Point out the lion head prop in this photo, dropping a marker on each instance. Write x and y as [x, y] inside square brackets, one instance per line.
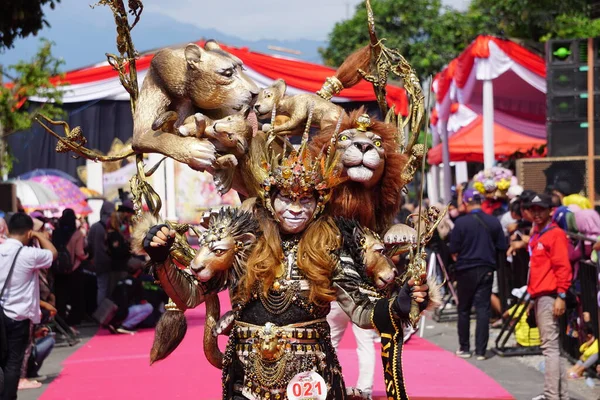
[372, 161]
[367, 249]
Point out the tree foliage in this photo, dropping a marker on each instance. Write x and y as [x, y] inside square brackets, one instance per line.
[25, 80]
[21, 18]
[536, 20]
[430, 35]
[426, 33]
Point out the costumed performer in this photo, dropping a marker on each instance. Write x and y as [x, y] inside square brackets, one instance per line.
[295, 269]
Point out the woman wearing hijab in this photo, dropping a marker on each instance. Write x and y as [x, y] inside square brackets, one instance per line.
[69, 286]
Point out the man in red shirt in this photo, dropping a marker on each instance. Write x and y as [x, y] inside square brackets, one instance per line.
[550, 275]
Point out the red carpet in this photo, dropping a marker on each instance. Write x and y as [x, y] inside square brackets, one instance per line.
[117, 367]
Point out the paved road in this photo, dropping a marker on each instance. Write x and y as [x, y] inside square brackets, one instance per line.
[518, 375]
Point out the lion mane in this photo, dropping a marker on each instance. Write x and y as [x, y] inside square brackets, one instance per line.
[377, 207]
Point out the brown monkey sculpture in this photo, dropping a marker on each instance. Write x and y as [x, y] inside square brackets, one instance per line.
[189, 80]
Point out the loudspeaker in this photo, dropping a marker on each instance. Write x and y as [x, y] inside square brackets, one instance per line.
[570, 80]
[8, 197]
[594, 8]
[570, 52]
[569, 138]
[571, 107]
[567, 96]
[570, 173]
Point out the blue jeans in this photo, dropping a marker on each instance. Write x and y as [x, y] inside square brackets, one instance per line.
[17, 335]
[137, 313]
[43, 348]
[474, 287]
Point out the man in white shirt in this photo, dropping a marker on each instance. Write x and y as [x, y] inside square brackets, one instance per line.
[21, 298]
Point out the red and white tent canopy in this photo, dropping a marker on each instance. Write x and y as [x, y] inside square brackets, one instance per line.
[518, 75]
[465, 138]
[461, 116]
[102, 82]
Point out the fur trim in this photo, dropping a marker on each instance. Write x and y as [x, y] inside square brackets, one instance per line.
[140, 229]
[435, 294]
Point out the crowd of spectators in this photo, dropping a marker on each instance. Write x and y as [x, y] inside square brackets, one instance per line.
[538, 240]
[58, 274]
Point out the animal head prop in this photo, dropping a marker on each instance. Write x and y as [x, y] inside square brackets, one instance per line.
[216, 80]
[295, 173]
[268, 98]
[367, 248]
[372, 162]
[232, 133]
[224, 246]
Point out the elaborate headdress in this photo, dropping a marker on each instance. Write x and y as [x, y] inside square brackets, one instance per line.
[298, 173]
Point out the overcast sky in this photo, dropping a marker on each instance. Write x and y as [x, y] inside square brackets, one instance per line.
[266, 19]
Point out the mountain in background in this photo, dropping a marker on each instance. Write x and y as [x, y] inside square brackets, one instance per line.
[82, 37]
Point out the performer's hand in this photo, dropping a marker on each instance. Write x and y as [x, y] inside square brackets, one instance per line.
[158, 242]
[420, 293]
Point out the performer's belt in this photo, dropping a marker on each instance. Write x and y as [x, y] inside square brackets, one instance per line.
[271, 341]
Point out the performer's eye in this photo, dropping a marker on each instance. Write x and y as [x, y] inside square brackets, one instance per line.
[343, 138]
[377, 143]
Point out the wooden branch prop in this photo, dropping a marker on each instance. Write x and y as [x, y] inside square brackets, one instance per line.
[125, 64]
[74, 141]
[383, 62]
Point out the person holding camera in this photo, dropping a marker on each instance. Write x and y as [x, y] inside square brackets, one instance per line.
[20, 298]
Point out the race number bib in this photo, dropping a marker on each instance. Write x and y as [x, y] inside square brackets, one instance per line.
[307, 385]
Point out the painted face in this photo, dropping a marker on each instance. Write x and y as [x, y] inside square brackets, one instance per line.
[294, 214]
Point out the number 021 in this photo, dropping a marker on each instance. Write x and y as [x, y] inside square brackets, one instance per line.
[308, 389]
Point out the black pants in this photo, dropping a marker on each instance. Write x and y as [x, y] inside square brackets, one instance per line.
[17, 335]
[69, 290]
[474, 289]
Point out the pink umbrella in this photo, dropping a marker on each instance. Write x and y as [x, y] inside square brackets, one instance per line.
[69, 195]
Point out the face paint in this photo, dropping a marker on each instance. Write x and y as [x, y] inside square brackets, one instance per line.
[294, 215]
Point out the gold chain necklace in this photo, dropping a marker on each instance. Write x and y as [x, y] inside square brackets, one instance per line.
[277, 302]
[270, 374]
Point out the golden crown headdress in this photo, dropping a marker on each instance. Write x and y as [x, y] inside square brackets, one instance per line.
[299, 173]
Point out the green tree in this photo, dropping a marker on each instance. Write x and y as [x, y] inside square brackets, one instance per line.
[538, 21]
[21, 18]
[429, 35]
[573, 27]
[426, 33]
[27, 79]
